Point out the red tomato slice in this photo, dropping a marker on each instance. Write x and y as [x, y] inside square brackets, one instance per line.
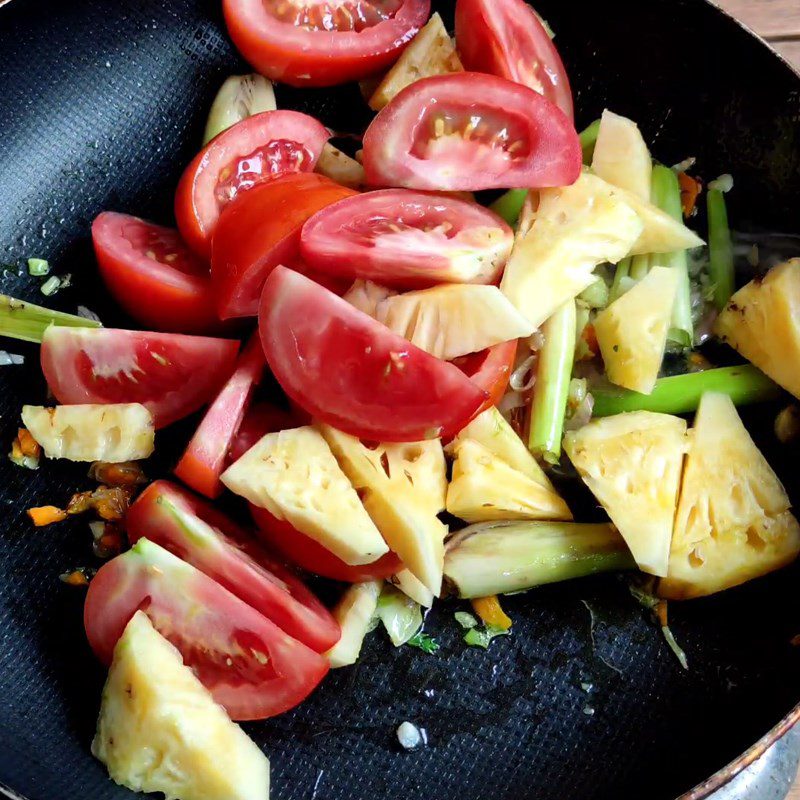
[247, 662]
[507, 38]
[261, 230]
[407, 240]
[320, 43]
[171, 374]
[350, 371]
[313, 557]
[260, 420]
[490, 370]
[466, 131]
[196, 532]
[153, 275]
[257, 149]
[206, 456]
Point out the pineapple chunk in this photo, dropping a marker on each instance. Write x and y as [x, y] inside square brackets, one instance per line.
[453, 320]
[633, 463]
[430, 53]
[485, 488]
[413, 588]
[632, 331]
[762, 322]
[621, 156]
[575, 229]
[491, 430]
[733, 521]
[110, 433]
[294, 475]
[366, 296]
[354, 613]
[401, 488]
[160, 730]
[339, 167]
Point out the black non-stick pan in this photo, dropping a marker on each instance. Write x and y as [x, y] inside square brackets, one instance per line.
[101, 105]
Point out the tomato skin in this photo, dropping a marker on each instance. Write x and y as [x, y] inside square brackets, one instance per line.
[491, 370]
[311, 556]
[171, 517]
[250, 666]
[506, 38]
[351, 372]
[206, 456]
[407, 240]
[260, 420]
[411, 143]
[172, 296]
[289, 54]
[171, 374]
[260, 230]
[293, 142]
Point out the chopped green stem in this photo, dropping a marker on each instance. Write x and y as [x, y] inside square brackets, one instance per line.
[681, 394]
[622, 271]
[588, 139]
[503, 557]
[509, 205]
[640, 266]
[720, 249]
[553, 373]
[666, 194]
[26, 321]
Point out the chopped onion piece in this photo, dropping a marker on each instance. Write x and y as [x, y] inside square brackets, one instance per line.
[524, 376]
[686, 164]
[10, 359]
[411, 737]
[722, 184]
[87, 313]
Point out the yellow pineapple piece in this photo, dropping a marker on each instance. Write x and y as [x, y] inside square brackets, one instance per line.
[632, 331]
[733, 521]
[633, 464]
[339, 167]
[294, 475]
[161, 731]
[762, 322]
[430, 53]
[354, 613]
[621, 156]
[484, 487]
[401, 487]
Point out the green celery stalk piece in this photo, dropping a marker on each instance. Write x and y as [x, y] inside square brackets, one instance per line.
[28, 322]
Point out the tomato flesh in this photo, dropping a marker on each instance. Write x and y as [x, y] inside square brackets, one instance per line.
[196, 532]
[490, 370]
[260, 230]
[323, 42]
[171, 374]
[206, 456]
[351, 372]
[507, 38]
[153, 275]
[250, 666]
[260, 420]
[311, 556]
[467, 131]
[254, 151]
[407, 240]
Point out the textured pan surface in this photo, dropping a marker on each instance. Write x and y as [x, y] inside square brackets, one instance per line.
[101, 103]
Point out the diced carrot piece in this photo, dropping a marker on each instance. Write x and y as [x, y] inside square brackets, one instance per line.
[690, 190]
[491, 612]
[28, 445]
[46, 515]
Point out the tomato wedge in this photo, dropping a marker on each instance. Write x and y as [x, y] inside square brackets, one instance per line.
[350, 371]
[251, 667]
[313, 557]
[257, 149]
[169, 373]
[490, 370]
[261, 230]
[407, 240]
[153, 275]
[507, 38]
[466, 131]
[206, 456]
[322, 43]
[260, 420]
[196, 532]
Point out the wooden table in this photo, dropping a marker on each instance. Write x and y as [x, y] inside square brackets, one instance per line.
[778, 21]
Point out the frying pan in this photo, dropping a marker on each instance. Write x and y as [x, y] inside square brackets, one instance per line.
[101, 104]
